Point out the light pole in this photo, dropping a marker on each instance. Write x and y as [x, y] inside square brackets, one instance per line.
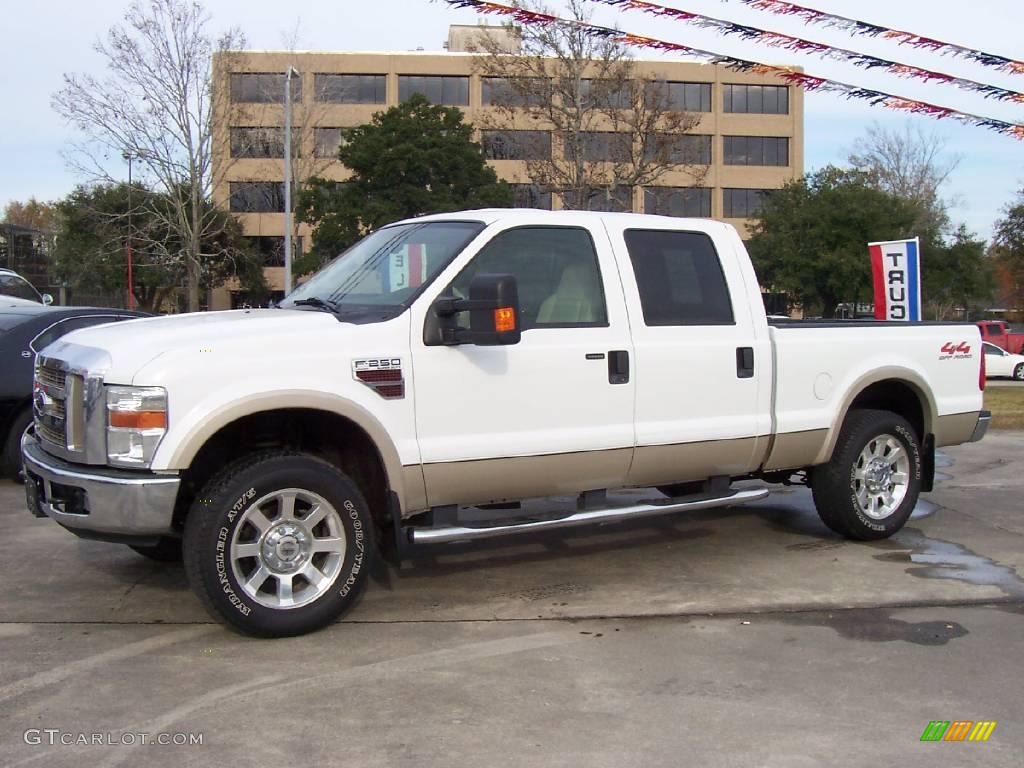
[292, 72]
[129, 155]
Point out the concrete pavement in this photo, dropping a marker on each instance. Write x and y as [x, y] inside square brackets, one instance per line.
[747, 636]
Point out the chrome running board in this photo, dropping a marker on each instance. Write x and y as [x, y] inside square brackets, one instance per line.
[450, 533]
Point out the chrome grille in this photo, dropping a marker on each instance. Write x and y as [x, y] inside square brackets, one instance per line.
[49, 406]
[51, 377]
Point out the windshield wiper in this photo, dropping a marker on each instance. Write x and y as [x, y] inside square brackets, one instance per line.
[316, 301]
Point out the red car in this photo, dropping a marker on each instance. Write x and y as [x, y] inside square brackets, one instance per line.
[998, 332]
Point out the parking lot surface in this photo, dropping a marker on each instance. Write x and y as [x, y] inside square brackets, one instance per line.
[744, 636]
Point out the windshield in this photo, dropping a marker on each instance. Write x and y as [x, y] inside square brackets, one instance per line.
[14, 285]
[387, 268]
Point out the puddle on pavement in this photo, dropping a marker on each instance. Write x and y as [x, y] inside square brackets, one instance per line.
[877, 626]
[938, 559]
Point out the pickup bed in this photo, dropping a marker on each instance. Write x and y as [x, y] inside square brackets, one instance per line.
[445, 369]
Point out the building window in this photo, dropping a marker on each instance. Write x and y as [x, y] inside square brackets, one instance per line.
[679, 277]
[682, 97]
[500, 92]
[607, 93]
[516, 145]
[530, 196]
[678, 201]
[327, 142]
[259, 142]
[756, 150]
[686, 149]
[742, 203]
[600, 146]
[617, 200]
[350, 89]
[271, 248]
[262, 87]
[757, 99]
[439, 89]
[257, 196]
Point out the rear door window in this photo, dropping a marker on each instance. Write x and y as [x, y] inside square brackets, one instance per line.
[679, 277]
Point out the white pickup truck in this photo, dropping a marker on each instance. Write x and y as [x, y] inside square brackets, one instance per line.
[444, 369]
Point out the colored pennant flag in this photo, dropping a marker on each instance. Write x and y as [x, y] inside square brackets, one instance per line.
[800, 45]
[787, 74]
[896, 274]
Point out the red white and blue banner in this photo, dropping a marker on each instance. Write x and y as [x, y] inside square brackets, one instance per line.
[896, 272]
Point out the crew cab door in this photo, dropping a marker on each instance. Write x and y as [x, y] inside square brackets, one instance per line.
[551, 414]
[703, 370]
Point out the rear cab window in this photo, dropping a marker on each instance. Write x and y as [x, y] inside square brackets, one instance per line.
[679, 277]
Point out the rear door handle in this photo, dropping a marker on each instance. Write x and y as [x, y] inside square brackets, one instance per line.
[618, 366]
[744, 362]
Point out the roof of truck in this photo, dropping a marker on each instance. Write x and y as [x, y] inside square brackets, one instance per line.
[490, 215]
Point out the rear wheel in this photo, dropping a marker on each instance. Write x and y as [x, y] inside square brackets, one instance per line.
[871, 485]
[278, 544]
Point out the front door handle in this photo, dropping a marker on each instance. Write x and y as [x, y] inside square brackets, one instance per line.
[744, 362]
[618, 366]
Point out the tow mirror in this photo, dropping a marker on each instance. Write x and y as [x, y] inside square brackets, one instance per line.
[493, 307]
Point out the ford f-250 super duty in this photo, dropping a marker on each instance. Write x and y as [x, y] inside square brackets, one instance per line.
[447, 367]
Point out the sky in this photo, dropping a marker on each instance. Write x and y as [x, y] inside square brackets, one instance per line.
[42, 41]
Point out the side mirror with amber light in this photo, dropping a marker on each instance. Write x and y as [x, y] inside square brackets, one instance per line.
[493, 307]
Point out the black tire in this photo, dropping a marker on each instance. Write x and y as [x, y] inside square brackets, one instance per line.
[10, 462]
[834, 485]
[166, 550]
[682, 489]
[1018, 372]
[222, 516]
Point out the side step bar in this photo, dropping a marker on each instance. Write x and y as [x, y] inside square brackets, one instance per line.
[451, 533]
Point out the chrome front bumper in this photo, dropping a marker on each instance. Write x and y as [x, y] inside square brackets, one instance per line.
[97, 501]
[982, 426]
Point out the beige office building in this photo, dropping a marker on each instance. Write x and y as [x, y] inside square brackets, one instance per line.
[750, 133]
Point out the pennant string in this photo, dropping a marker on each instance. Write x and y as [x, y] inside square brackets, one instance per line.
[787, 42]
[857, 27]
[787, 74]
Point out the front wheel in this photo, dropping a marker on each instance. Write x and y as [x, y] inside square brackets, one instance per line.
[869, 488]
[278, 544]
[1018, 372]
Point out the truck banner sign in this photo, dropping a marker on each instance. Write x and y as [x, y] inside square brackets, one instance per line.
[896, 272]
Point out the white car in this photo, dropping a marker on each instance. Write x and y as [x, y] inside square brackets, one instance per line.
[999, 362]
[16, 291]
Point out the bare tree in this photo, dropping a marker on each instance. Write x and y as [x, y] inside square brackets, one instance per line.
[155, 103]
[912, 164]
[611, 128]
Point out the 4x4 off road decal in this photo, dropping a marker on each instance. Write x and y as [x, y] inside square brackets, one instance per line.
[382, 374]
[952, 350]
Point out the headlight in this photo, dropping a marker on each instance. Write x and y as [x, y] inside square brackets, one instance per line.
[136, 423]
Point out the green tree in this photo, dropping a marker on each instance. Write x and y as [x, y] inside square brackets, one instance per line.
[810, 240]
[1008, 253]
[414, 159]
[955, 274]
[93, 237]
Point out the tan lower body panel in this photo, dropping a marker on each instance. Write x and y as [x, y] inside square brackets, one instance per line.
[682, 462]
[795, 450]
[523, 477]
[955, 428]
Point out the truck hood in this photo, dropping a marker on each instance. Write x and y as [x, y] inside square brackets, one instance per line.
[131, 344]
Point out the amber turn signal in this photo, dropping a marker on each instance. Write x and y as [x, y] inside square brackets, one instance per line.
[139, 419]
[504, 319]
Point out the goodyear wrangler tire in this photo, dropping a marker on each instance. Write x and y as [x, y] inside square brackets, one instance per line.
[278, 544]
[870, 487]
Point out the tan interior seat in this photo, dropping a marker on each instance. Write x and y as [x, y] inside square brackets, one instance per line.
[575, 299]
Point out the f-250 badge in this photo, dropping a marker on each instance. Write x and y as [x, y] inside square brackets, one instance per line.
[382, 374]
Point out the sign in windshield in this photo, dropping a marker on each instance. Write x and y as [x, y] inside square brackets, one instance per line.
[387, 268]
